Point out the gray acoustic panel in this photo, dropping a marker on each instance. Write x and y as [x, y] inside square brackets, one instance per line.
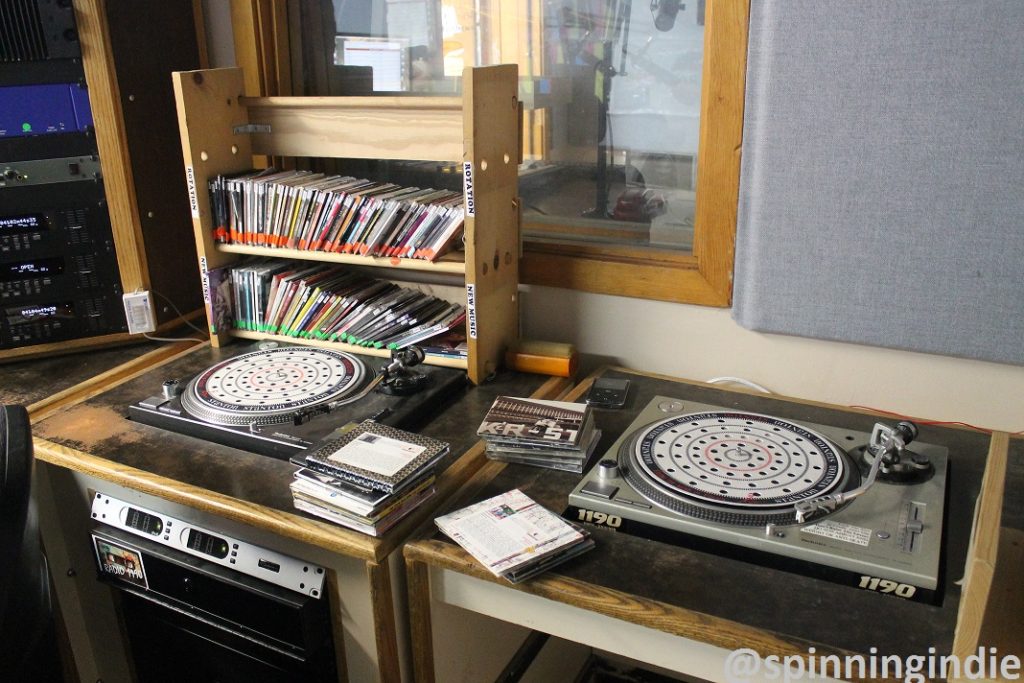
[882, 184]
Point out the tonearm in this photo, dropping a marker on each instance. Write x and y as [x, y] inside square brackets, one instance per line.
[886, 445]
[394, 378]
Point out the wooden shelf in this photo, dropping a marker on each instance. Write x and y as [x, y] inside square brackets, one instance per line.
[427, 128]
[221, 130]
[449, 264]
[432, 359]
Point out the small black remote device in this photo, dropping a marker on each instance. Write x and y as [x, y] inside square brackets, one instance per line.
[608, 392]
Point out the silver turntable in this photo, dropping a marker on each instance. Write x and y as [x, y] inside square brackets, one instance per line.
[861, 508]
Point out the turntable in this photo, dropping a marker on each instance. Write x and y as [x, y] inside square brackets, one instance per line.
[278, 399]
[858, 508]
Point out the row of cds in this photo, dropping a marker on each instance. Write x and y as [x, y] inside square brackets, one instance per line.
[333, 303]
[331, 213]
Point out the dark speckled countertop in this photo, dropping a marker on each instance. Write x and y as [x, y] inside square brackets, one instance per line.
[26, 382]
[789, 605]
[97, 437]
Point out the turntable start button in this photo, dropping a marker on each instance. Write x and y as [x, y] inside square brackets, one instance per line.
[599, 489]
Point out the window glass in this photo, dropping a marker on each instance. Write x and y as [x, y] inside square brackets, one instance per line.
[611, 93]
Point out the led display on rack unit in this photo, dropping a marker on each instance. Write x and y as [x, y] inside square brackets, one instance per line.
[19, 224]
[43, 109]
[24, 270]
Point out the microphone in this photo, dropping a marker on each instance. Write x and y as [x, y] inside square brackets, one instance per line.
[665, 12]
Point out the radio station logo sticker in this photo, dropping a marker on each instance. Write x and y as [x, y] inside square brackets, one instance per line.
[120, 562]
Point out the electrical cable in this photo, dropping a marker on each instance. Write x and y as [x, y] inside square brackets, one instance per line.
[170, 339]
[739, 380]
[938, 423]
[180, 314]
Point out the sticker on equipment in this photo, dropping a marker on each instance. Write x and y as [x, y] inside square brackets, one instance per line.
[840, 532]
[120, 561]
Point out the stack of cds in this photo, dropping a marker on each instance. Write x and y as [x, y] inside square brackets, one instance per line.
[513, 536]
[367, 476]
[553, 434]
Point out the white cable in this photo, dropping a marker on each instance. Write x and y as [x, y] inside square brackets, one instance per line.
[739, 380]
[171, 339]
[180, 314]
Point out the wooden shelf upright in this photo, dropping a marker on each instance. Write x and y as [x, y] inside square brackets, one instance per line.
[221, 130]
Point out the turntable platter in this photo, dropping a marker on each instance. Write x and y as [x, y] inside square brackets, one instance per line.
[732, 467]
[268, 386]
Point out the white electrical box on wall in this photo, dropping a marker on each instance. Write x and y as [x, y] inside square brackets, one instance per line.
[138, 309]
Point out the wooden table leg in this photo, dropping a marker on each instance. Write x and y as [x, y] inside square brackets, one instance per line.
[384, 620]
[420, 629]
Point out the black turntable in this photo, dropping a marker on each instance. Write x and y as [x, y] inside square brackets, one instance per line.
[278, 399]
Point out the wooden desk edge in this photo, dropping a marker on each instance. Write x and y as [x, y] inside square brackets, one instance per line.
[983, 552]
[677, 621]
[325, 536]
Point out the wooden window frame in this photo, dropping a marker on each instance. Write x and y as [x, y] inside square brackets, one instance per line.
[703, 276]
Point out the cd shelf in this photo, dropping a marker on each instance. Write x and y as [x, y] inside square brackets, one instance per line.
[432, 359]
[221, 130]
[451, 264]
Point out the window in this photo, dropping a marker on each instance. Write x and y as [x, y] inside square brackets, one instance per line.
[632, 117]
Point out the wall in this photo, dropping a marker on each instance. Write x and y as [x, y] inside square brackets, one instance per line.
[700, 343]
[220, 43]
